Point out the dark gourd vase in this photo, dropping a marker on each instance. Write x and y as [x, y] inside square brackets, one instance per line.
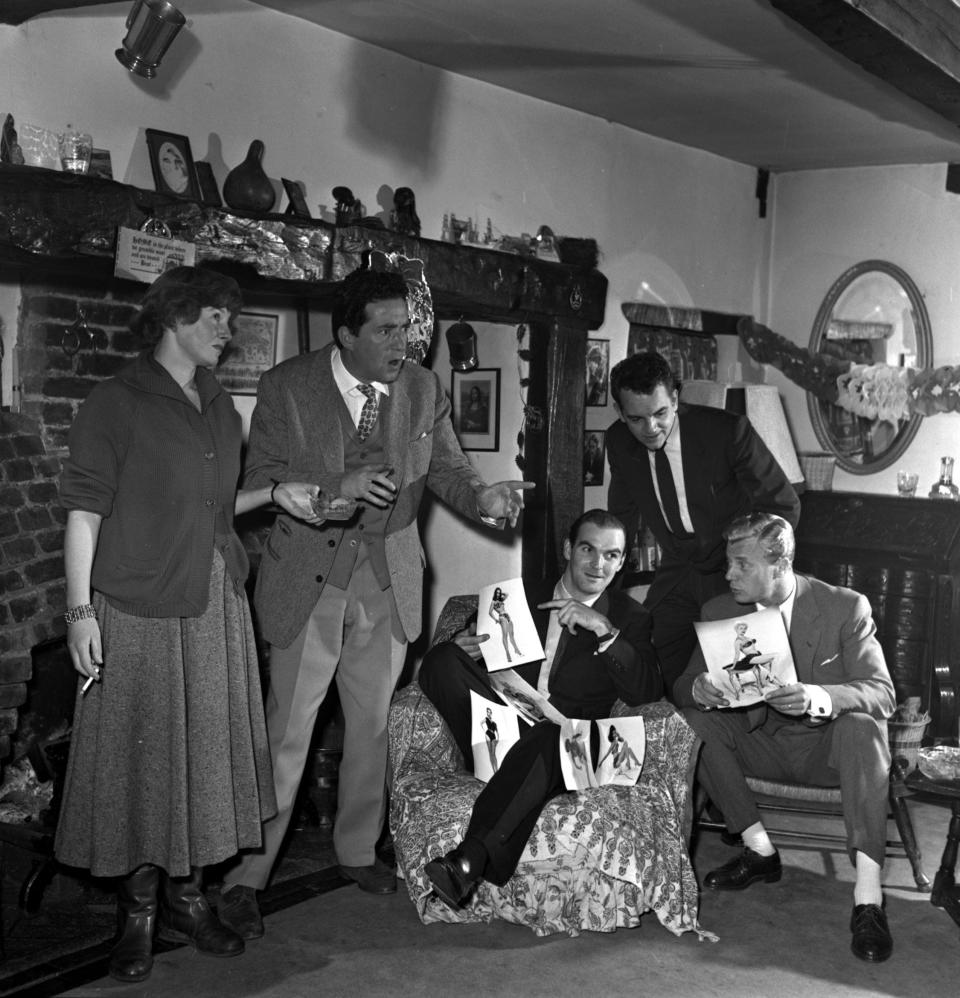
[247, 187]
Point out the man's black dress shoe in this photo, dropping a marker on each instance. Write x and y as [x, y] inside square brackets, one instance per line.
[871, 934]
[450, 881]
[741, 872]
[375, 879]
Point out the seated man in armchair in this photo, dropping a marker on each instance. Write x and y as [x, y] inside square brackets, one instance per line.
[828, 729]
[598, 649]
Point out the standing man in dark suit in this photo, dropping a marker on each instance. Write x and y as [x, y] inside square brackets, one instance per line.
[684, 471]
[340, 599]
[597, 645]
[828, 729]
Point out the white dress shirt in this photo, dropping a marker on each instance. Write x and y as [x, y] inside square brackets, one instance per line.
[347, 384]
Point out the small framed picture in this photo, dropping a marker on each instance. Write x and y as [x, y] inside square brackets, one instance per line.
[298, 203]
[209, 192]
[594, 451]
[475, 396]
[598, 372]
[252, 351]
[172, 164]
[100, 164]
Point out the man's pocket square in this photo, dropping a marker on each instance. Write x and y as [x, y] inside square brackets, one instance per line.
[827, 661]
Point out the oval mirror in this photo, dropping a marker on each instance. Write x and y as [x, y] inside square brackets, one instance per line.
[873, 314]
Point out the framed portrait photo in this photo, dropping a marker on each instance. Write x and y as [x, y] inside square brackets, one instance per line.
[252, 351]
[172, 164]
[597, 372]
[475, 396]
[298, 203]
[594, 451]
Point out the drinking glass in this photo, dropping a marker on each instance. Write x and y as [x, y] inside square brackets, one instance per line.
[906, 484]
[75, 150]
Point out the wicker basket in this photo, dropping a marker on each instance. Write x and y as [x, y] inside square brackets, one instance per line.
[905, 738]
[818, 469]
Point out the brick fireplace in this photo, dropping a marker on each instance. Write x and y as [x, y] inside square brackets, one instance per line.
[53, 379]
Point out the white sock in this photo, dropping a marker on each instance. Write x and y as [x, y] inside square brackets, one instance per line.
[867, 889]
[757, 839]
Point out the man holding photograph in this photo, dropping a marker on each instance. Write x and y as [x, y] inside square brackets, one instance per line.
[828, 729]
[598, 649]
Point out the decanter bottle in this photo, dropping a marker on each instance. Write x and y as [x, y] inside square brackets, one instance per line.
[944, 487]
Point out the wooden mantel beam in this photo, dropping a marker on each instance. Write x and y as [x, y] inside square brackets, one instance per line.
[913, 45]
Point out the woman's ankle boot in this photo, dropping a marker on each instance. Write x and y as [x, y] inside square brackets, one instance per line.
[131, 959]
[186, 917]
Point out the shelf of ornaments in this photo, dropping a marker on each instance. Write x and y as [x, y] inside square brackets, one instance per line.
[66, 224]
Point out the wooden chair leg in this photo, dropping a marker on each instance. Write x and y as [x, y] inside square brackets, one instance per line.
[898, 805]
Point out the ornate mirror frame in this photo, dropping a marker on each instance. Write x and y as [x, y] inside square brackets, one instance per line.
[825, 416]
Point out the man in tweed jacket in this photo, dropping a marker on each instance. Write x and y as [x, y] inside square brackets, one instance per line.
[340, 598]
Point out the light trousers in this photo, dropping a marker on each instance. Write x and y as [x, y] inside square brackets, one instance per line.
[354, 636]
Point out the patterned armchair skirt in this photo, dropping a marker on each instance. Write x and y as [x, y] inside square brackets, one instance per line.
[596, 860]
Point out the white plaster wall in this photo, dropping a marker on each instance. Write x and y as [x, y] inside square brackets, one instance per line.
[334, 111]
[827, 221]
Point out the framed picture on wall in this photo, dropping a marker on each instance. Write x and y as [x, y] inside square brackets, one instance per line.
[252, 351]
[597, 372]
[172, 164]
[594, 448]
[475, 396]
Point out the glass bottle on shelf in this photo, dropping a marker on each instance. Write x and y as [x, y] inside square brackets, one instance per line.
[944, 487]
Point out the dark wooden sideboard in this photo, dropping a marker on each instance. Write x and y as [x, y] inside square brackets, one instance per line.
[904, 556]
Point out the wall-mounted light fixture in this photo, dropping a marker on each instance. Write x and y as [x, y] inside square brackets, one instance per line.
[151, 26]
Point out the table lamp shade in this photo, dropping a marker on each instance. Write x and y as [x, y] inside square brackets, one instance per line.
[761, 405]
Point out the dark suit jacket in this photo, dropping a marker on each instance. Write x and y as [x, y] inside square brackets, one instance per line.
[295, 435]
[727, 471]
[584, 683]
[834, 645]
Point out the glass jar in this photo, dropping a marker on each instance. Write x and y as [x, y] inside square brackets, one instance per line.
[75, 150]
[944, 487]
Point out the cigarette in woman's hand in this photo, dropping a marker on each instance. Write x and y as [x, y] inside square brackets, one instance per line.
[87, 685]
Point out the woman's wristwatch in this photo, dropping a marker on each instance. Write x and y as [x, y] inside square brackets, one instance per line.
[81, 612]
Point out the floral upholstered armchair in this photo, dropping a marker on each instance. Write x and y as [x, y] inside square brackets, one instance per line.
[597, 860]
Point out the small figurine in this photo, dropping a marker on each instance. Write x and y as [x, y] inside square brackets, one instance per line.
[349, 208]
[404, 218]
[10, 151]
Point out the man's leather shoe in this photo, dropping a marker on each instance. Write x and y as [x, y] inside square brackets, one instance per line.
[741, 872]
[450, 880]
[375, 879]
[238, 910]
[871, 934]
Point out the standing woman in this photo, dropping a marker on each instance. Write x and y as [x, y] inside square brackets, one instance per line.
[169, 767]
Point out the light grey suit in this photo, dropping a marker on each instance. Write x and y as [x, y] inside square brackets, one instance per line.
[834, 645]
[317, 630]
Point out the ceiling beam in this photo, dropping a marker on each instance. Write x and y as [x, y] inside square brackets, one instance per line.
[913, 45]
[18, 11]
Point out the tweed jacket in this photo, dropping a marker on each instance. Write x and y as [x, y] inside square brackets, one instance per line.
[727, 471]
[834, 644]
[295, 435]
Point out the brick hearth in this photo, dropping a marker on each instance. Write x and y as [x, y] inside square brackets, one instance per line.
[32, 445]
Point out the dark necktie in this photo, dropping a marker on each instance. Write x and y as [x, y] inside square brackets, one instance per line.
[668, 493]
[368, 415]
